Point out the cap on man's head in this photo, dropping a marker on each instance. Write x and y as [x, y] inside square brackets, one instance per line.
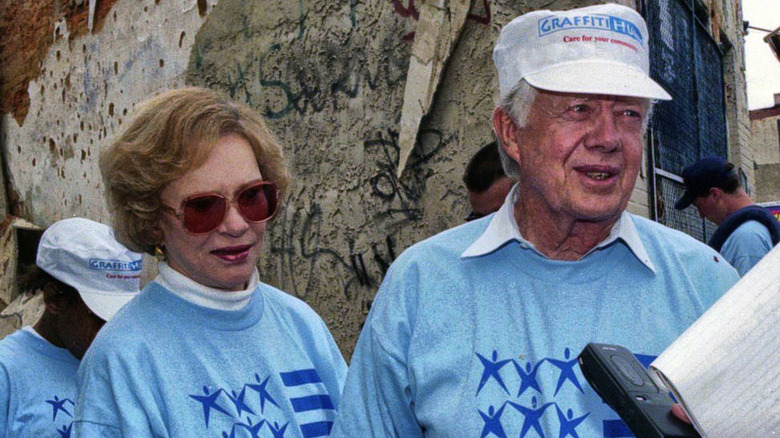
[701, 176]
[85, 255]
[601, 49]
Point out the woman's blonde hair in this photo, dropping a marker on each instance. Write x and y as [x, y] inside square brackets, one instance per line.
[170, 135]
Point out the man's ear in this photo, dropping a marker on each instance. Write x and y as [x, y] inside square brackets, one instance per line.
[716, 193]
[54, 299]
[506, 131]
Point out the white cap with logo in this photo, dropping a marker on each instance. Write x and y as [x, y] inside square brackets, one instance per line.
[601, 49]
[85, 255]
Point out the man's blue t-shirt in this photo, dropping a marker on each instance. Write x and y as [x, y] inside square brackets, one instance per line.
[37, 387]
[477, 344]
[165, 367]
[746, 246]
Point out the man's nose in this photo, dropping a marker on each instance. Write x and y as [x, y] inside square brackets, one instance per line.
[604, 134]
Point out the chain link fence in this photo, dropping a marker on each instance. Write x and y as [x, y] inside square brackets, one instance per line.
[688, 63]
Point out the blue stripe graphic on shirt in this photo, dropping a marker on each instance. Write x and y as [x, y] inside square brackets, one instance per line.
[317, 402]
[311, 403]
[300, 377]
[319, 428]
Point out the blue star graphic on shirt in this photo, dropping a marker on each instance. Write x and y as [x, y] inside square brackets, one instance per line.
[209, 402]
[567, 371]
[262, 392]
[527, 376]
[59, 405]
[278, 432]
[569, 424]
[238, 401]
[65, 432]
[532, 417]
[254, 429]
[493, 422]
[232, 433]
[491, 369]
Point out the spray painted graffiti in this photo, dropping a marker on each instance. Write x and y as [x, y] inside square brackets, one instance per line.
[411, 11]
[300, 233]
[294, 82]
[404, 194]
[300, 237]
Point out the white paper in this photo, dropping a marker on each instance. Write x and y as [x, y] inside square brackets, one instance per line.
[725, 369]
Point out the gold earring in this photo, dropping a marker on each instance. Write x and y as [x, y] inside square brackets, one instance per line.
[159, 254]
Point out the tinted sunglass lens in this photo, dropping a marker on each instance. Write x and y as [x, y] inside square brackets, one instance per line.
[203, 213]
[258, 203]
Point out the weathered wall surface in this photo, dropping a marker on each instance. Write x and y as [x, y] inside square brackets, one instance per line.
[79, 92]
[768, 182]
[328, 76]
[330, 79]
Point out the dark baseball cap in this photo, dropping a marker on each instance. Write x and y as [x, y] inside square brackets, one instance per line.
[701, 176]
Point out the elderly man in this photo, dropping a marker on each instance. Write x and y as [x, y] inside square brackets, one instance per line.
[746, 232]
[475, 332]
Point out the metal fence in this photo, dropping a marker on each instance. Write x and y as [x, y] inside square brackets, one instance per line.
[688, 63]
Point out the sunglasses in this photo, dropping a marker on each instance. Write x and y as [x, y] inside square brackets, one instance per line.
[203, 213]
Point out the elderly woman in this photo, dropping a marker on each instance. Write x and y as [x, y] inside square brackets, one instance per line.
[206, 349]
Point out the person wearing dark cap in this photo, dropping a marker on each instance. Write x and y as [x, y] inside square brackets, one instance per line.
[746, 232]
[486, 181]
[86, 276]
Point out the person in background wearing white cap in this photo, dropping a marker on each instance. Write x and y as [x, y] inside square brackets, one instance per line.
[475, 332]
[86, 276]
[206, 349]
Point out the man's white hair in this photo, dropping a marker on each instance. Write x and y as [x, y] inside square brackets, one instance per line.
[517, 104]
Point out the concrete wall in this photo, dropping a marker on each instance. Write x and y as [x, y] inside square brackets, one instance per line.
[726, 27]
[329, 77]
[765, 140]
[768, 177]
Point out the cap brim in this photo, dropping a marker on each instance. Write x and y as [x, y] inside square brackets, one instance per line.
[597, 77]
[686, 200]
[103, 304]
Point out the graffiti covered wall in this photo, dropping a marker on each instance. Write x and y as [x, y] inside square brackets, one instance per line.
[330, 79]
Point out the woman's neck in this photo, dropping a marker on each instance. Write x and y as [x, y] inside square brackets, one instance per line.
[205, 296]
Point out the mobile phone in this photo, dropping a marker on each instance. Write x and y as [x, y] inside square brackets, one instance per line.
[625, 385]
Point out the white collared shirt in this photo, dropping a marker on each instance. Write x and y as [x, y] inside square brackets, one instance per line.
[503, 228]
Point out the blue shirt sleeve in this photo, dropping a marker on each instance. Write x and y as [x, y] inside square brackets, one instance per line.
[746, 246]
[107, 404]
[5, 397]
[377, 397]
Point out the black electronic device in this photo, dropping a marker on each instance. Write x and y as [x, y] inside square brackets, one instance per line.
[625, 385]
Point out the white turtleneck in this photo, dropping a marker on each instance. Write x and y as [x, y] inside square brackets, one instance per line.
[205, 296]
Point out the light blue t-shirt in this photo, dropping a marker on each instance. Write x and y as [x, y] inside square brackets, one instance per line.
[746, 246]
[475, 334]
[165, 367]
[37, 387]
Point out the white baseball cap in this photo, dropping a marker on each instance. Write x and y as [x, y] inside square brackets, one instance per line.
[601, 49]
[85, 255]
